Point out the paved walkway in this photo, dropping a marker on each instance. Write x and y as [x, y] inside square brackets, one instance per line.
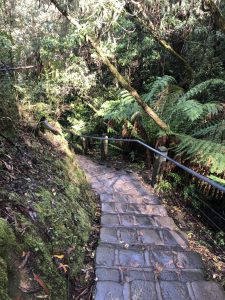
[141, 255]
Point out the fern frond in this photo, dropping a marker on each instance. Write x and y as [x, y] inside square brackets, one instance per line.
[120, 109]
[207, 152]
[200, 88]
[158, 86]
[213, 129]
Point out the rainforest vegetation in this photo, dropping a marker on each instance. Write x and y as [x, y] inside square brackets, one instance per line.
[147, 69]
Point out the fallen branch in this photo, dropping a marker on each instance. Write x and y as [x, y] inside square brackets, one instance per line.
[17, 68]
[43, 124]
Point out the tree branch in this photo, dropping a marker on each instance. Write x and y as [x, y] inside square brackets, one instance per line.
[146, 22]
[216, 14]
[115, 72]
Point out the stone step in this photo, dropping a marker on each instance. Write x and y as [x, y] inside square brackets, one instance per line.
[141, 221]
[123, 274]
[137, 208]
[159, 290]
[116, 197]
[133, 236]
[141, 254]
[148, 258]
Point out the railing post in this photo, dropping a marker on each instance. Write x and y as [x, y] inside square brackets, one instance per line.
[85, 145]
[159, 162]
[104, 148]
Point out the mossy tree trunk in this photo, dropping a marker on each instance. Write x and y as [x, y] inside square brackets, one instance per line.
[137, 9]
[123, 82]
[216, 14]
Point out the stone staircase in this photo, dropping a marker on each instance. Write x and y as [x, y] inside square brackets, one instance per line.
[142, 255]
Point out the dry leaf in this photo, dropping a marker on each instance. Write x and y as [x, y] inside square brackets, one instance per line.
[64, 267]
[59, 256]
[41, 283]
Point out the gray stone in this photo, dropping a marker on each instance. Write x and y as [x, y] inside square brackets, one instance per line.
[150, 236]
[143, 248]
[108, 290]
[105, 256]
[173, 290]
[108, 235]
[128, 236]
[139, 275]
[143, 290]
[131, 258]
[151, 199]
[128, 220]
[145, 220]
[107, 274]
[205, 290]
[191, 275]
[110, 219]
[174, 238]
[165, 222]
[162, 258]
[188, 260]
[106, 197]
[166, 275]
[108, 207]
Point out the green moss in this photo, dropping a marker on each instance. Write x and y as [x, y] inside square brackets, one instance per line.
[3, 280]
[7, 245]
[64, 207]
[7, 238]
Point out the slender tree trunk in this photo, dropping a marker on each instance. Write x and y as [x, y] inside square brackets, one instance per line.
[115, 72]
[216, 15]
[146, 22]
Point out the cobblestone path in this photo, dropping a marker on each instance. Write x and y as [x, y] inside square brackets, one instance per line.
[141, 255]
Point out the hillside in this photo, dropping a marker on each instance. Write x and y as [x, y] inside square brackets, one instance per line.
[46, 210]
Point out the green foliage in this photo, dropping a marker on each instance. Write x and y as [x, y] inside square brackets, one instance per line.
[3, 280]
[202, 151]
[164, 186]
[190, 193]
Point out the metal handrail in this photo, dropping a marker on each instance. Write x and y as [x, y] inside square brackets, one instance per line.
[188, 170]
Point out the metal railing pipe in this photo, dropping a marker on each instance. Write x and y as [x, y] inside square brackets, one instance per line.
[181, 166]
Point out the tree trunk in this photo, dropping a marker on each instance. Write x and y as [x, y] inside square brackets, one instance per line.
[146, 22]
[216, 15]
[115, 72]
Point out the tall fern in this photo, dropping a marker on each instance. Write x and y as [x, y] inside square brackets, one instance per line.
[198, 126]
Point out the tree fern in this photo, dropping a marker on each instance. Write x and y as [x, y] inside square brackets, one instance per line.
[193, 110]
[158, 86]
[204, 151]
[198, 126]
[214, 130]
[200, 88]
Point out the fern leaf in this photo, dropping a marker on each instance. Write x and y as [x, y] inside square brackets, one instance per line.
[198, 89]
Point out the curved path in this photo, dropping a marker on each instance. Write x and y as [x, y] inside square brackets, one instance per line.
[141, 255]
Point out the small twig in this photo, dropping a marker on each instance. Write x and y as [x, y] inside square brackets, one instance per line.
[82, 293]
[25, 260]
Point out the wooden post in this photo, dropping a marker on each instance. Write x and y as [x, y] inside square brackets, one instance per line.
[85, 145]
[104, 148]
[159, 162]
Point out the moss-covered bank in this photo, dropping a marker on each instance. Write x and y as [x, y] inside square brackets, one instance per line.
[46, 210]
